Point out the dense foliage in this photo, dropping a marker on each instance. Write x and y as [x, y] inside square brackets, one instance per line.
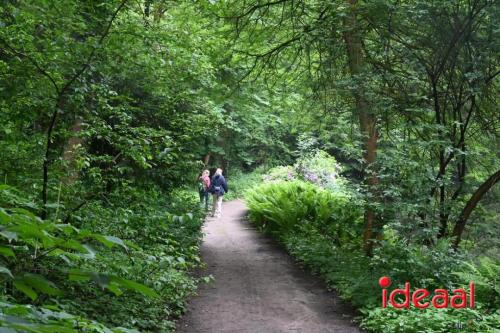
[72, 273]
[404, 93]
[110, 109]
[322, 226]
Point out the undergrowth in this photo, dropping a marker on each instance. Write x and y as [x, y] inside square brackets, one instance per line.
[321, 228]
[240, 182]
[133, 275]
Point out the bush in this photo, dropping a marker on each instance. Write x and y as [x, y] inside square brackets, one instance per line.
[431, 320]
[316, 167]
[282, 206]
[355, 276]
[133, 273]
[320, 168]
[485, 273]
[168, 230]
[239, 183]
[280, 173]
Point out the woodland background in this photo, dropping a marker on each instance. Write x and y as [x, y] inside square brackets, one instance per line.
[376, 121]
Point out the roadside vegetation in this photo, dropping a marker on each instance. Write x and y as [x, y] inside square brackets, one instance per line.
[316, 214]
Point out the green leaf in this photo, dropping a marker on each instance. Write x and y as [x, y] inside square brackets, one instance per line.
[132, 245]
[4, 270]
[126, 330]
[74, 245]
[110, 241]
[78, 275]
[40, 283]
[4, 217]
[27, 290]
[135, 286]
[114, 288]
[7, 251]
[10, 235]
[90, 251]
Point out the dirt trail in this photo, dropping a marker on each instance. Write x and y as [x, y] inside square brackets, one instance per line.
[258, 288]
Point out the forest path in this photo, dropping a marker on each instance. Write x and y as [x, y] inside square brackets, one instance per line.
[258, 288]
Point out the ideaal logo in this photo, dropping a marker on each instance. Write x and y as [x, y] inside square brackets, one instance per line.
[440, 299]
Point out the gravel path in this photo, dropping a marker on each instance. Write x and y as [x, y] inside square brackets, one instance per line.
[258, 288]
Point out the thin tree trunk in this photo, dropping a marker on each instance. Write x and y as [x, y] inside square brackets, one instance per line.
[48, 150]
[206, 159]
[367, 123]
[147, 8]
[471, 204]
[443, 217]
[69, 152]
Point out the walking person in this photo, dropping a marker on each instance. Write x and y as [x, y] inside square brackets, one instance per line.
[203, 187]
[218, 187]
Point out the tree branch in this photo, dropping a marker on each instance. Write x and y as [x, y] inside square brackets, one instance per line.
[34, 63]
[471, 204]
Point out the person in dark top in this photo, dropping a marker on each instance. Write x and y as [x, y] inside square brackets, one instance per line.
[218, 186]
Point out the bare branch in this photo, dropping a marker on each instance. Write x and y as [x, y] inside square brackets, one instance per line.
[34, 63]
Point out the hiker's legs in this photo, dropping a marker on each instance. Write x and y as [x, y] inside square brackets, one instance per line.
[218, 209]
[214, 206]
[205, 198]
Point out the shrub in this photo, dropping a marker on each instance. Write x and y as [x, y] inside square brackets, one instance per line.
[76, 277]
[320, 168]
[485, 274]
[280, 173]
[316, 167]
[282, 206]
[355, 276]
[167, 230]
[431, 320]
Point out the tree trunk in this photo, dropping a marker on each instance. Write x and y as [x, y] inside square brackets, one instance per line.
[69, 153]
[443, 217]
[147, 8]
[206, 159]
[471, 204]
[367, 123]
[48, 151]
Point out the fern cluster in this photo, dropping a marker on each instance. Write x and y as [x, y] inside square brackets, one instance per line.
[280, 207]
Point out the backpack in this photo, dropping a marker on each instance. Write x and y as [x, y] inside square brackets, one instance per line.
[217, 189]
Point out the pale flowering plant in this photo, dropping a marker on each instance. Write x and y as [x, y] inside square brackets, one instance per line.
[280, 173]
[311, 177]
[319, 168]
